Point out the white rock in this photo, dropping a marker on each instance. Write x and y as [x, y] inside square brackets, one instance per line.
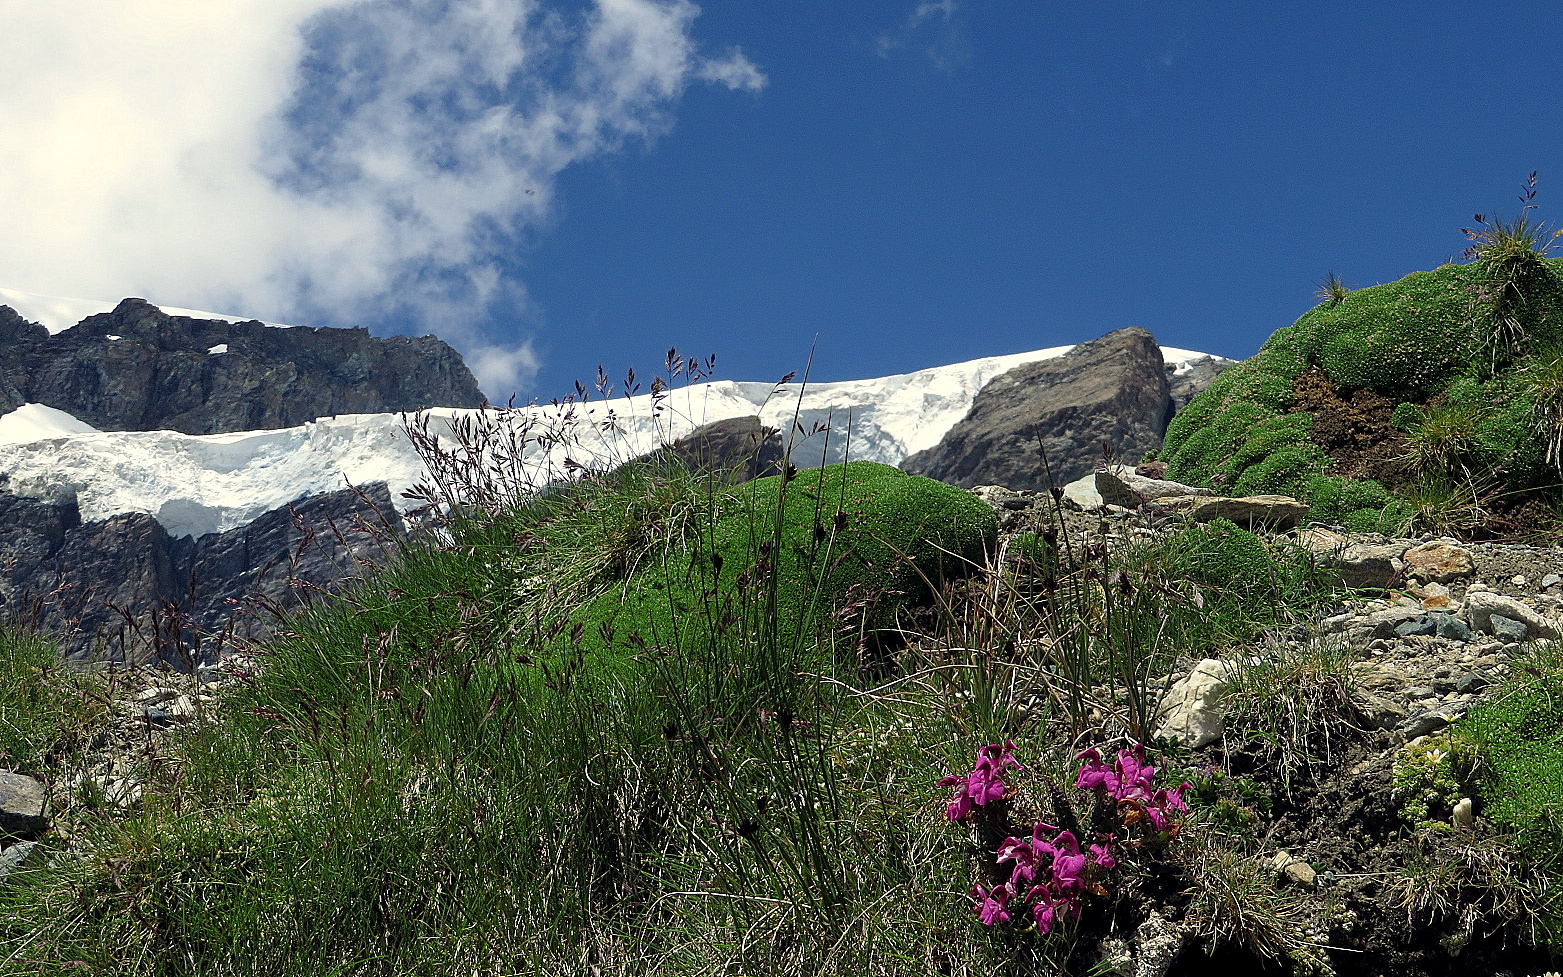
[1192, 711]
[1482, 605]
[1082, 492]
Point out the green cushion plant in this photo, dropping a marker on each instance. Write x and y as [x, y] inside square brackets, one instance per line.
[845, 545]
[1468, 352]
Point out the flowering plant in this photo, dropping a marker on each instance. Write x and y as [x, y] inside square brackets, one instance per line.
[1128, 783]
[1050, 871]
[985, 782]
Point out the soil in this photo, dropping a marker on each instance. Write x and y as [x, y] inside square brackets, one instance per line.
[1353, 427]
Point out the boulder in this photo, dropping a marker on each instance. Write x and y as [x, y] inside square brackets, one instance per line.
[1271, 511]
[1113, 390]
[16, 856]
[1118, 485]
[1358, 565]
[23, 802]
[1439, 561]
[741, 447]
[1192, 712]
[1482, 606]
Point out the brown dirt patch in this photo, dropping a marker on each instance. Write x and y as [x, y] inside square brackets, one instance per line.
[1353, 427]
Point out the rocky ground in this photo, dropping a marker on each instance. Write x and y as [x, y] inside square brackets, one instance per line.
[1430, 632]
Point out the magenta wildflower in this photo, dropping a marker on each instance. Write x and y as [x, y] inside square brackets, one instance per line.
[1068, 865]
[992, 906]
[1044, 911]
[1051, 867]
[984, 784]
[1027, 859]
[1101, 857]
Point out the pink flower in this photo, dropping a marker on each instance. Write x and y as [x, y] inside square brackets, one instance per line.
[1094, 775]
[1044, 911]
[985, 782]
[1025, 856]
[1068, 865]
[1101, 857]
[992, 906]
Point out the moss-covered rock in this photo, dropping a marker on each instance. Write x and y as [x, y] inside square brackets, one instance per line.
[786, 561]
[1418, 341]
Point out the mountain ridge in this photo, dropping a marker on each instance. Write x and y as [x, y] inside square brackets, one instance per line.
[139, 368]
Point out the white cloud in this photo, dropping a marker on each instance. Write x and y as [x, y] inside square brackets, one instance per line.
[735, 71]
[933, 27]
[331, 161]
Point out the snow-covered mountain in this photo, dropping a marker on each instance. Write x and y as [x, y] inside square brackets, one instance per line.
[99, 523]
[197, 484]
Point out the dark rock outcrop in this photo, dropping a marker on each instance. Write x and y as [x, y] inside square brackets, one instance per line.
[105, 588]
[138, 369]
[1113, 390]
[741, 447]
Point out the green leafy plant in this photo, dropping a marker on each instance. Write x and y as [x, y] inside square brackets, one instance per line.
[1331, 288]
[1432, 777]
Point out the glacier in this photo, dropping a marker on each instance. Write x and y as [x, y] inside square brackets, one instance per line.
[198, 484]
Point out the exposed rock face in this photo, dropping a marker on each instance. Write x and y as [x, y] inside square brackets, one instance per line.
[1112, 390]
[76, 578]
[741, 447]
[162, 373]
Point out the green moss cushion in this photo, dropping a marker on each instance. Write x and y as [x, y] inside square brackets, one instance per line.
[787, 559]
[1411, 340]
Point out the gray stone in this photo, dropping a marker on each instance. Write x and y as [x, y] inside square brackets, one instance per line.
[1385, 623]
[1269, 511]
[1381, 712]
[1507, 629]
[1122, 486]
[1421, 624]
[1423, 723]
[1482, 605]
[1082, 493]
[15, 856]
[1451, 627]
[1111, 390]
[1149, 952]
[1470, 683]
[1365, 566]
[23, 803]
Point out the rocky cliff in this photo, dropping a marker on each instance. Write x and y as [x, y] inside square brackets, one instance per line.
[1117, 390]
[139, 369]
[107, 587]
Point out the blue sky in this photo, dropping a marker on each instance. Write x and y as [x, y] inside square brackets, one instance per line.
[912, 182]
